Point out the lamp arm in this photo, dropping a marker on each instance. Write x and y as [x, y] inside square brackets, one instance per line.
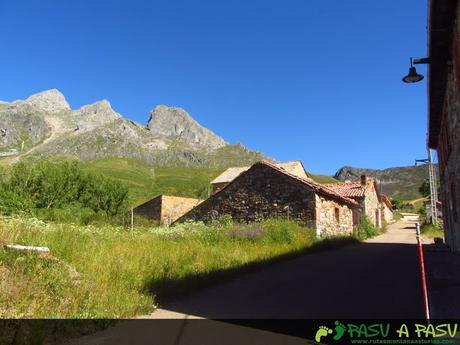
[421, 61]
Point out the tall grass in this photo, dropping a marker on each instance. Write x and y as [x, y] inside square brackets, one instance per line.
[107, 271]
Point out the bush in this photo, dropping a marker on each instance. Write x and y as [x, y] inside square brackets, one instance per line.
[366, 229]
[431, 231]
[60, 191]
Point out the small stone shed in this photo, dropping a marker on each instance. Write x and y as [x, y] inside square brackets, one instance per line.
[165, 208]
[366, 193]
[387, 209]
[293, 167]
[266, 190]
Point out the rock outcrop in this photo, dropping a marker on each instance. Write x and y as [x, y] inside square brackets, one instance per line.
[94, 115]
[50, 101]
[178, 124]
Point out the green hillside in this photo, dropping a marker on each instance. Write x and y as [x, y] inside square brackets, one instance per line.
[146, 182]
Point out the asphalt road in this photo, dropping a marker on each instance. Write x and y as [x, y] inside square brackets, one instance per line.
[376, 279]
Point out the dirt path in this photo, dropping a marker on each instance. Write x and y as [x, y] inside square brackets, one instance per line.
[375, 279]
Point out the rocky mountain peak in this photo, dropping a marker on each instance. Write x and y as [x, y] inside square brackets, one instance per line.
[102, 106]
[178, 124]
[49, 101]
[93, 115]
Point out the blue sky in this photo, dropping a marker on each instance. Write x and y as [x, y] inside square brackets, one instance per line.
[313, 80]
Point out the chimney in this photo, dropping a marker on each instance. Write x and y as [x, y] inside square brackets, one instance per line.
[363, 180]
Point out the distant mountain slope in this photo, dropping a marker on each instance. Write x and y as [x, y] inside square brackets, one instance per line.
[45, 125]
[402, 182]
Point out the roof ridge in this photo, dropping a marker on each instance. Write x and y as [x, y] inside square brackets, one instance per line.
[315, 185]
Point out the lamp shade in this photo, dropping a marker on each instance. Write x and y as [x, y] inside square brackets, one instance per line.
[413, 76]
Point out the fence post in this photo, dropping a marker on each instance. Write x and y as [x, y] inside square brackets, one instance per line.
[132, 219]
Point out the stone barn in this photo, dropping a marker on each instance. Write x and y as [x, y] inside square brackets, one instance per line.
[366, 193]
[444, 109]
[266, 190]
[165, 208]
[295, 168]
[387, 209]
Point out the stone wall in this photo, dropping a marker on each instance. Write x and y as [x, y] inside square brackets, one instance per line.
[174, 207]
[372, 206]
[218, 186]
[166, 209]
[449, 149]
[150, 209]
[387, 213]
[263, 192]
[257, 194]
[332, 218]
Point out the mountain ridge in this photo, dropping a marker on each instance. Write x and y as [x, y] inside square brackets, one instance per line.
[45, 125]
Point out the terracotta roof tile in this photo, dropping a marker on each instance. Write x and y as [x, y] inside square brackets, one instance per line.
[348, 189]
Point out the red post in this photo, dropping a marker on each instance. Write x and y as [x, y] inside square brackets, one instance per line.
[422, 271]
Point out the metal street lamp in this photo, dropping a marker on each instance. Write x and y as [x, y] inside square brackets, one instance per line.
[413, 76]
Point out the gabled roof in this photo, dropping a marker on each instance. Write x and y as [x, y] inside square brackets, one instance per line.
[229, 175]
[317, 188]
[387, 202]
[353, 189]
[293, 167]
[348, 189]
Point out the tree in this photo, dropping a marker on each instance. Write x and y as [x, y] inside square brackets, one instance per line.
[424, 188]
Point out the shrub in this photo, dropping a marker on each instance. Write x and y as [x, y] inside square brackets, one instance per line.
[366, 229]
[60, 191]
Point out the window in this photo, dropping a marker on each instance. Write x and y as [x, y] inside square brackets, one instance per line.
[337, 214]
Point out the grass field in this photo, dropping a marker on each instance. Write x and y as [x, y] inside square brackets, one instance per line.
[146, 182]
[99, 272]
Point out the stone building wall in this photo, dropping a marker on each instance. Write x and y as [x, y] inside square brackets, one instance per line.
[174, 207]
[150, 209]
[218, 186]
[258, 194]
[372, 206]
[449, 149]
[263, 192]
[387, 213]
[332, 218]
[166, 209]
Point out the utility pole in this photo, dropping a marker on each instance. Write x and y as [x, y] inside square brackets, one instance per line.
[433, 190]
[433, 187]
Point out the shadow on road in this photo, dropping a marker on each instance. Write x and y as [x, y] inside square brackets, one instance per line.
[364, 280]
[168, 289]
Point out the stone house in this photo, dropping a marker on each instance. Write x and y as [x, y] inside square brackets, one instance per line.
[444, 109]
[387, 209]
[294, 167]
[266, 190]
[165, 208]
[366, 193]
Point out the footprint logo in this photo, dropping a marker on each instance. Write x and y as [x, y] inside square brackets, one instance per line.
[339, 330]
[321, 332]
